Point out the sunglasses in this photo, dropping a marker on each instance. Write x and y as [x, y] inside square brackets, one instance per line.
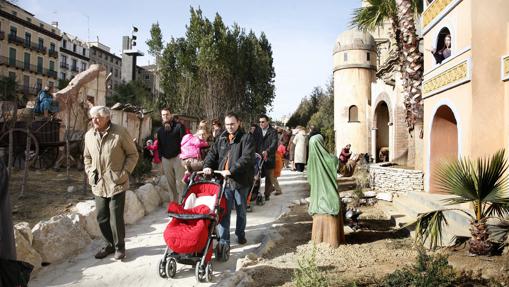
[261, 122]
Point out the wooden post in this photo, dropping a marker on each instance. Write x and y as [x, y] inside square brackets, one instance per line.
[67, 139]
[328, 228]
[27, 161]
[12, 125]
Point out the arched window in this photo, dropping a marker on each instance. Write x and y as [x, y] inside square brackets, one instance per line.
[353, 114]
[443, 47]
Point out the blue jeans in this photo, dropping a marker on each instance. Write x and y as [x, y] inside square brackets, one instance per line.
[239, 198]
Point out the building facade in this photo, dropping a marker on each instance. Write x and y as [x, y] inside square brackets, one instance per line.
[100, 54]
[74, 57]
[466, 89]
[354, 71]
[28, 50]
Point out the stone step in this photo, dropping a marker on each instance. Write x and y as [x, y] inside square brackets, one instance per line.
[405, 209]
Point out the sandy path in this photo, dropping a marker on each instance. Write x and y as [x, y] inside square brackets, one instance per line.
[145, 247]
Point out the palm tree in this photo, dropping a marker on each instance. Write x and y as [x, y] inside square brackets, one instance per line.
[482, 183]
[401, 14]
[412, 62]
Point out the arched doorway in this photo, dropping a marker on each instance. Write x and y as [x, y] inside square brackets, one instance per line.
[382, 131]
[443, 142]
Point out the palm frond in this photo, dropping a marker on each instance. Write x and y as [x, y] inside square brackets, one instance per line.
[496, 210]
[498, 232]
[457, 177]
[458, 240]
[374, 15]
[492, 177]
[429, 227]
[481, 182]
[417, 6]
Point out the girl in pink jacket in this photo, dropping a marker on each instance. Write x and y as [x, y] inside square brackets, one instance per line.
[190, 152]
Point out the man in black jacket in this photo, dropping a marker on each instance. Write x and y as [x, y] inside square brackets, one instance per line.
[169, 137]
[233, 155]
[268, 152]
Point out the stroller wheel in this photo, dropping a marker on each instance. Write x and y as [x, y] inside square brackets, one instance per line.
[208, 272]
[200, 272]
[171, 268]
[162, 268]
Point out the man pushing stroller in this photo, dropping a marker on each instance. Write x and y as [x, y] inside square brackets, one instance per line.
[233, 155]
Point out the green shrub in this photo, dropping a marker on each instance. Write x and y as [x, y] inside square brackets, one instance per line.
[308, 274]
[429, 271]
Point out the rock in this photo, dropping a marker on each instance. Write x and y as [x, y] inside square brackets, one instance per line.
[163, 183]
[148, 197]
[384, 196]
[369, 193]
[303, 201]
[347, 229]
[133, 210]
[25, 230]
[308, 199]
[88, 216]
[251, 256]
[71, 188]
[59, 237]
[163, 195]
[296, 202]
[25, 251]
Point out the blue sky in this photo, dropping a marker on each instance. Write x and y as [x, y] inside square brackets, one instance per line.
[302, 33]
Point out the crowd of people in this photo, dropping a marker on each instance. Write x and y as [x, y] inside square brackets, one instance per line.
[110, 156]
[231, 149]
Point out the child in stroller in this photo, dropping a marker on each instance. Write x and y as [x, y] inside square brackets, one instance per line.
[254, 193]
[191, 232]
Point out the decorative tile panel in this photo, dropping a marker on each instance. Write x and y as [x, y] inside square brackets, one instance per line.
[505, 68]
[455, 75]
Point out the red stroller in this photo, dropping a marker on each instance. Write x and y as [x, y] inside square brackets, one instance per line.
[190, 234]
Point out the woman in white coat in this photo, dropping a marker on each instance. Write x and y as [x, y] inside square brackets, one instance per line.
[300, 149]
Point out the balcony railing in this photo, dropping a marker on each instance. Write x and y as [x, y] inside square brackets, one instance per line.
[53, 53]
[26, 90]
[52, 74]
[27, 44]
[75, 69]
[25, 66]
[12, 38]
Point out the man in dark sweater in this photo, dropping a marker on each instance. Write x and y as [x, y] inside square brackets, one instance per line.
[268, 147]
[169, 136]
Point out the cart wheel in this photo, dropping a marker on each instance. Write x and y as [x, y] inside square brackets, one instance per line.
[20, 155]
[199, 272]
[171, 267]
[161, 268]
[47, 157]
[208, 272]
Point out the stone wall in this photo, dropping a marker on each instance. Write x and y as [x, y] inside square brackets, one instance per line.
[394, 179]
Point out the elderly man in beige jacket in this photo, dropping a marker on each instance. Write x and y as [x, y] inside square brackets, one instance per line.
[110, 155]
